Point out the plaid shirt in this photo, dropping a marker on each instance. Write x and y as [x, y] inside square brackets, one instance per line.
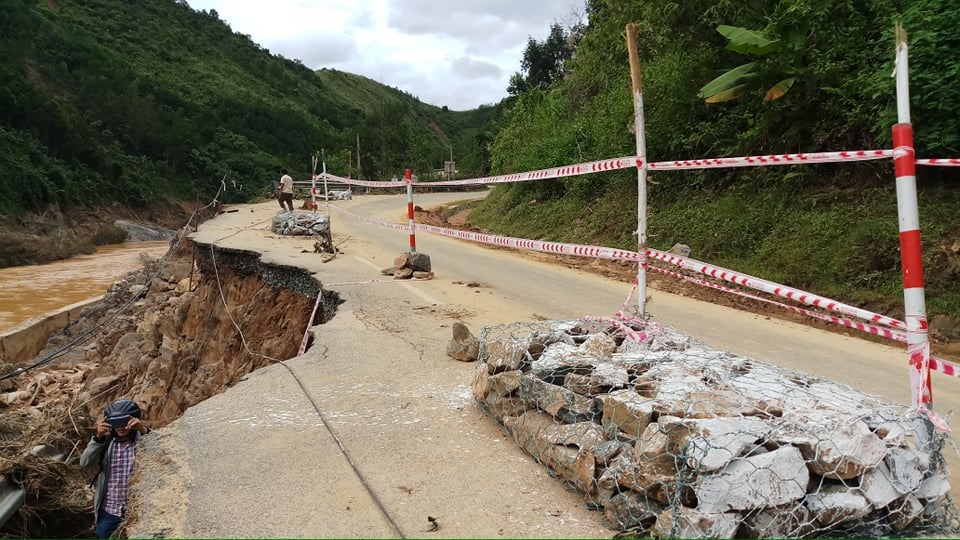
[121, 466]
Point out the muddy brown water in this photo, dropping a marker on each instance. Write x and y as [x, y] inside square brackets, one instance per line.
[29, 291]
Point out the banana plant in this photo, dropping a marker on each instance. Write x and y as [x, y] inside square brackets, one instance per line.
[737, 81]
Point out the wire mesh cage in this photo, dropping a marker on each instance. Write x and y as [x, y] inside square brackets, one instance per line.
[669, 437]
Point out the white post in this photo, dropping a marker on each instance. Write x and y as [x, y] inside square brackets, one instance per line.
[638, 122]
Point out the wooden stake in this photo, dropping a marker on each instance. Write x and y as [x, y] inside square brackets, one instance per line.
[638, 123]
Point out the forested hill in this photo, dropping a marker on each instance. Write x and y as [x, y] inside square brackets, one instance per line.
[832, 229]
[138, 100]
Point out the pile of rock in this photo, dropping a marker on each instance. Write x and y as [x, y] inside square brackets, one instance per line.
[410, 265]
[306, 224]
[301, 223]
[678, 439]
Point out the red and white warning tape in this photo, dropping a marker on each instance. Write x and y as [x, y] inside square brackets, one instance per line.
[600, 252]
[629, 162]
[542, 174]
[867, 328]
[943, 366]
[775, 159]
[775, 289]
[940, 162]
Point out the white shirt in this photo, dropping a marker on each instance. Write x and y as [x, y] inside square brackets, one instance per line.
[286, 184]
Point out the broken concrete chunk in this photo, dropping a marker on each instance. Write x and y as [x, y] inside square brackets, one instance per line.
[403, 273]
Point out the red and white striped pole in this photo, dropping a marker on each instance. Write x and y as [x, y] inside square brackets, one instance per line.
[413, 232]
[638, 124]
[904, 160]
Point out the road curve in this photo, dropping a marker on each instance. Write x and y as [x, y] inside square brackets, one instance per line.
[400, 438]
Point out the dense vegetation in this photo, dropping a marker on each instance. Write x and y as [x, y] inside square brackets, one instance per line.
[103, 100]
[137, 101]
[832, 228]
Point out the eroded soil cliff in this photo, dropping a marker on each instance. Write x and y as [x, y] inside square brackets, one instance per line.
[165, 336]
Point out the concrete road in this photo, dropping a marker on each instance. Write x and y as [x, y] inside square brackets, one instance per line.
[374, 429]
[559, 293]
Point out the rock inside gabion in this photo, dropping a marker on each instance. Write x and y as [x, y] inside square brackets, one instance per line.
[675, 438]
[301, 223]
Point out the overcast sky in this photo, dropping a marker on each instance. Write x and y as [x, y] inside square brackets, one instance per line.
[458, 53]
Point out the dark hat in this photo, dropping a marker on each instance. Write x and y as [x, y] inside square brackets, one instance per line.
[123, 407]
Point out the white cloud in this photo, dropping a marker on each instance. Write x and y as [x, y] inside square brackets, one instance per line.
[455, 53]
[468, 68]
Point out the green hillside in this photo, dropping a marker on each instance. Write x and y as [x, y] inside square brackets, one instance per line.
[102, 100]
[830, 228]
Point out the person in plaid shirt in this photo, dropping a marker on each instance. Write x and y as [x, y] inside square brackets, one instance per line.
[114, 449]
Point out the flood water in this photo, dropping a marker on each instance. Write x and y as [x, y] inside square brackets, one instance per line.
[28, 291]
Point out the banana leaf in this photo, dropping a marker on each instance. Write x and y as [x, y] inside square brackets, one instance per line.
[728, 95]
[778, 90]
[746, 41]
[728, 80]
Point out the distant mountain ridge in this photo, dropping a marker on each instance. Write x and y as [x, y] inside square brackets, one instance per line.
[137, 101]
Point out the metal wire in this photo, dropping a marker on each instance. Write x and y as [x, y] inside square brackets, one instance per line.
[671, 438]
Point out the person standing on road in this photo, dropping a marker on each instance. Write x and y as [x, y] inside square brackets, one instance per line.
[286, 190]
[113, 448]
